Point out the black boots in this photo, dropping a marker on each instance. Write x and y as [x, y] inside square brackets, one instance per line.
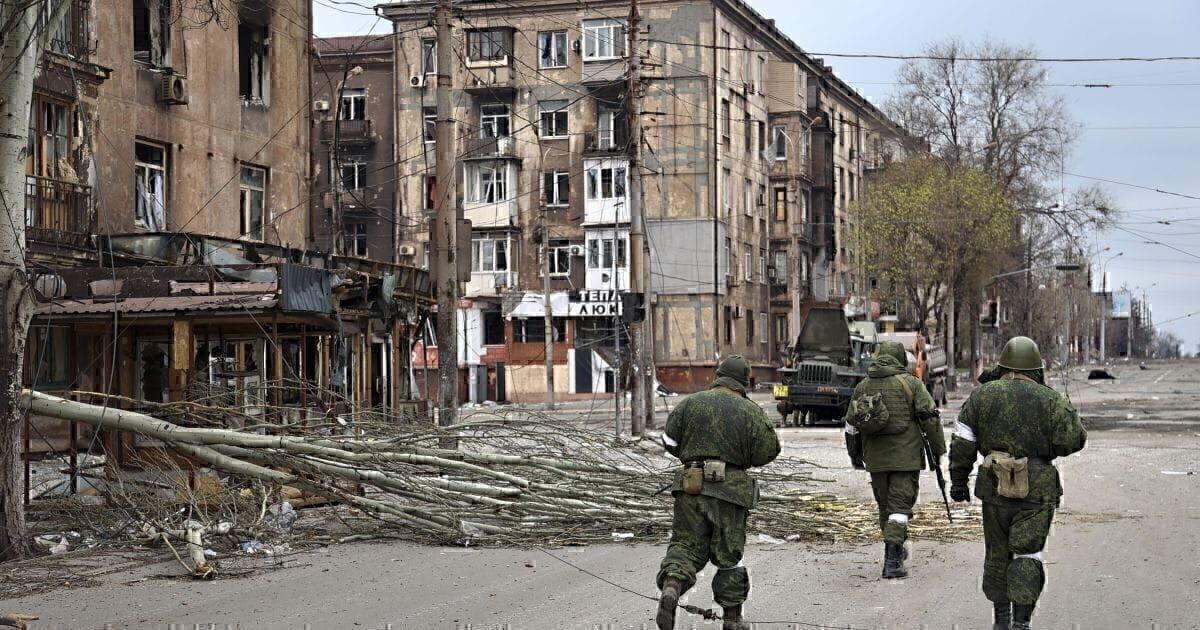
[893, 561]
[1002, 613]
[732, 618]
[1021, 615]
[671, 591]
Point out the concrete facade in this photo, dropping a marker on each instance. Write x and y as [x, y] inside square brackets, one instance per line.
[730, 261]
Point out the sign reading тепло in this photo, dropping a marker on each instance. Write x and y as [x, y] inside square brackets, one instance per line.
[594, 303]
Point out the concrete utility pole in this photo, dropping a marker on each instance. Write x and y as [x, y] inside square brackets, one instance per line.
[548, 316]
[442, 231]
[637, 256]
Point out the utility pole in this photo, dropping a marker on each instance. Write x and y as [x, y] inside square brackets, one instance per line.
[548, 317]
[442, 231]
[637, 254]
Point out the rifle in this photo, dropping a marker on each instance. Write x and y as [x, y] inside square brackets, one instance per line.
[663, 489]
[937, 470]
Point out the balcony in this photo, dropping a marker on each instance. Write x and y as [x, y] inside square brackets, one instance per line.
[348, 131]
[57, 211]
[494, 82]
[491, 148]
[605, 142]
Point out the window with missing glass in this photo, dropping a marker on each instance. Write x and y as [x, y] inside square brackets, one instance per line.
[253, 189]
[560, 258]
[429, 123]
[605, 182]
[487, 182]
[150, 186]
[495, 120]
[355, 233]
[493, 328]
[556, 188]
[779, 141]
[553, 119]
[552, 49]
[353, 171]
[533, 330]
[354, 104]
[428, 56]
[487, 44]
[607, 252]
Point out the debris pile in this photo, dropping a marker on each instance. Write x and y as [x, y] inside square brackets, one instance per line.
[493, 479]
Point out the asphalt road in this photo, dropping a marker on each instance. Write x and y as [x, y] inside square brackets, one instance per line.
[1124, 553]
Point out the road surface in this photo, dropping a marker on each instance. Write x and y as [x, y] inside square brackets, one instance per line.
[1123, 554]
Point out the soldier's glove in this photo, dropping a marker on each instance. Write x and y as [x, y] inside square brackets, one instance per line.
[858, 463]
[959, 493]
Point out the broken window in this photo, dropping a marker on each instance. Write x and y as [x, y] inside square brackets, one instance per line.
[49, 140]
[493, 328]
[610, 128]
[430, 191]
[354, 104]
[356, 238]
[605, 252]
[152, 371]
[556, 188]
[489, 255]
[487, 182]
[152, 32]
[150, 186]
[494, 121]
[779, 140]
[429, 120]
[552, 49]
[605, 182]
[560, 258]
[487, 45]
[253, 47]
[428, 56]
[353, 173]
[553, 118]
[253, 200]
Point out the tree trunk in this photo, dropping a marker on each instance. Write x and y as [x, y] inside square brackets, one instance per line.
[20, 48]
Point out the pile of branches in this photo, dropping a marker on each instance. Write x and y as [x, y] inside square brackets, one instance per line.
[494, 479]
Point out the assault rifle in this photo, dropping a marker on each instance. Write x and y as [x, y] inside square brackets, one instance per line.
[937, 470]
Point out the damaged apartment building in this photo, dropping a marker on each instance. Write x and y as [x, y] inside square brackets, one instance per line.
[753, 153]
[171, 235]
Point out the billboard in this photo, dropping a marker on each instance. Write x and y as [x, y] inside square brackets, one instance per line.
[1121, 301]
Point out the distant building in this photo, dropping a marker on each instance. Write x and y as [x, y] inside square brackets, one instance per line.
[754, 153]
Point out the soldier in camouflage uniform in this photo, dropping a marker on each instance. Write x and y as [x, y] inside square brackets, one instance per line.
[1014, 415]
[719, 424]
[895, 456]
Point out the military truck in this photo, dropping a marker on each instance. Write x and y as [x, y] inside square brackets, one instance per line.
[822, 367]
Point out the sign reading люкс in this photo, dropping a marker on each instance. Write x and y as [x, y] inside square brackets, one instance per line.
[594, 303]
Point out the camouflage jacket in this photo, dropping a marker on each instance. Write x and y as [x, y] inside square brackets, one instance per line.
[904, 449]
[721, 423]
[1015, 414]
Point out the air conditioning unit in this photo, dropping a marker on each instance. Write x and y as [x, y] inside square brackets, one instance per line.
[577, 45]
[172, 90]
[417, 80]
[408, 250]
[577, 250]
[321, 106]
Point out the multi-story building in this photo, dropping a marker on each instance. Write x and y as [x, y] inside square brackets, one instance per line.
[354, 210]
[540, 98]
[169, 226]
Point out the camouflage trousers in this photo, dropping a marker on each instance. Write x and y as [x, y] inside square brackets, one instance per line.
[895, 493]
[1013, 536]
[707, 529]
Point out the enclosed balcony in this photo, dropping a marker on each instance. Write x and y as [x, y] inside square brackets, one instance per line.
[57, 211]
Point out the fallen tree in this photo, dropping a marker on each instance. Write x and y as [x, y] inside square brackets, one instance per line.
[512, 481]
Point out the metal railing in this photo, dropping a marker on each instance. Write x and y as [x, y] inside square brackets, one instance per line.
[348, 131]
[56, 210]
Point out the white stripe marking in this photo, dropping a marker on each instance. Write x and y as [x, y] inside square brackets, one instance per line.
[1032, 556]
[963, 431]
[851, 429]
[899, 518]
[1163, 375]
[668, 442]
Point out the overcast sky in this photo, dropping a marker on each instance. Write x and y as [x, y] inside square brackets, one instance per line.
[1116, 143]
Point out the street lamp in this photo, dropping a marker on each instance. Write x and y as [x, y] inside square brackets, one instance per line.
[1129, 322]
[1107, 310]
[1064, 267]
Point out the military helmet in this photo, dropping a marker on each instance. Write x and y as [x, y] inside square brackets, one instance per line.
[1021, 353]
[895, 350]
[735, 367]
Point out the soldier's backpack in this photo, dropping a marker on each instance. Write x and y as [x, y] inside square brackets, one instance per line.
[868, 414]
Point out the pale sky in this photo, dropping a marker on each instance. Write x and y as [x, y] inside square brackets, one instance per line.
[1143, 133]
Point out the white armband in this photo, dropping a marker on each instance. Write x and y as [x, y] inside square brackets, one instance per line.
[963, 431]
[668, 442]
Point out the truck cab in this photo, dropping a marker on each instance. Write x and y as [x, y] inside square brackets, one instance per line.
[822, 368]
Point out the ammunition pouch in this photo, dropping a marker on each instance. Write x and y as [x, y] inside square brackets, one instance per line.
[693, 479]
[1011, 473]
[714, 470]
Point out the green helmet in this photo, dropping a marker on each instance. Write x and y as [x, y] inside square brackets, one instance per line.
[1022, 354]
[736, 368]
[895, 350]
